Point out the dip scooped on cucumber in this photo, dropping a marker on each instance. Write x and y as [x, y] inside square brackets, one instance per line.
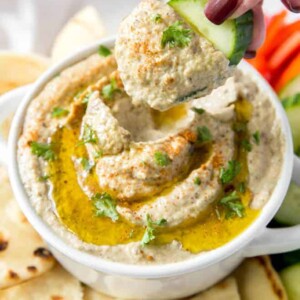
[168, 53]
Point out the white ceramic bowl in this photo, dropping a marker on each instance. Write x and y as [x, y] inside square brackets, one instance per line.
[167, 281]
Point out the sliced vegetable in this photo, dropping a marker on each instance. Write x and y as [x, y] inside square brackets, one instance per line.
[292, 108]
[289, 212]
[286, 51]
[290, 279]
[291, 72]
[232, 37]
[291, 88]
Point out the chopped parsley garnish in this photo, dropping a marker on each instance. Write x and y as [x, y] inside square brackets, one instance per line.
[228, 174]
[241, 187]
[157, 18]
[58, 112]
[109, 90]
[256, 137]
[203, 134]
[233, 206]
[198, 111]
[104, 51]
[197, 180]
[176, 36]
[98, 154]
[42, 150]
[162, 158]
[86, 98]
[246, 145]
[88, 135]
[44, 178]
[86, 164]
[149, 234]
[240, 127]
[105, 206]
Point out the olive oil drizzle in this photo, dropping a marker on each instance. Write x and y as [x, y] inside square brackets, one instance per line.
[75, 208]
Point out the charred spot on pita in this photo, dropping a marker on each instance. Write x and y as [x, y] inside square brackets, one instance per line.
[42, 253]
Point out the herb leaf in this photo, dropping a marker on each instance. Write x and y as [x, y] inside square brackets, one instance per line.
[198, 111]
[87, 166]
[149, 234]
[104, 51]
[109, 90]
[233, 205]
[241, 187]
[176, 36]
[197, 180]
[240, 126]
[157, 18]
[88, 135]
[42, 150]
[228, 174]
[246, 145]
[58, 112]
[105, 206]
[86, 98]
[203, 134]
[256, 137]
[162, 159]
[44, 178]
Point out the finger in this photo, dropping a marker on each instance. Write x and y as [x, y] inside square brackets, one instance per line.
[259, 28]
[244, 6]
[217, 11]
[292, 5]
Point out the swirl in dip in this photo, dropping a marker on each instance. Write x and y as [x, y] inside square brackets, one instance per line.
[131, 184]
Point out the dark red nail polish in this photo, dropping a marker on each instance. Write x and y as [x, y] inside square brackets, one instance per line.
[292, 5]
[250, 54]
[217, 11]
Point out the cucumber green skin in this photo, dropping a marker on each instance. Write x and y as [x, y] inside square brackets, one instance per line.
[242, 29]
[291, 280]
[289, 212]
[291, 88]
[243, 36]
[292, 108]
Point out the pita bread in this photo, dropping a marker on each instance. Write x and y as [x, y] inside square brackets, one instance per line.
[19, 69]
[257, 279]
[224, 290]
[90, 294]
[81, 30]
[56, 284]
[23, 254]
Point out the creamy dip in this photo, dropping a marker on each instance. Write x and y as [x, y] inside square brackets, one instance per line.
[159, 71]
[172, 184]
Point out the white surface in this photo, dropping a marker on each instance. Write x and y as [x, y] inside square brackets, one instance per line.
[171, 280]
[31, 25]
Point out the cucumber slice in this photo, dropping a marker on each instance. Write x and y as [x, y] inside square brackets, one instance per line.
[292, 108]
[289, 212]
[231, 37]
[291, 88]
[290, 278]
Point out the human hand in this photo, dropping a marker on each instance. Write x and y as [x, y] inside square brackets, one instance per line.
[217, 11]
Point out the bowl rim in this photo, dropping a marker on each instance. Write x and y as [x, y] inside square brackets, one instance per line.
[199, 261]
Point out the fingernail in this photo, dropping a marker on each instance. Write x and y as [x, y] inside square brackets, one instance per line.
[250, 54]
[292, 5]
[217, 11]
